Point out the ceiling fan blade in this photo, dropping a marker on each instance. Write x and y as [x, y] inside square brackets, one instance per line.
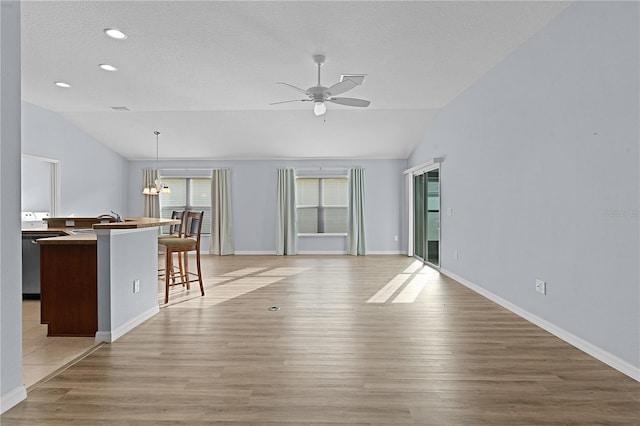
[350, 102]
[341, 87]
[293, 100]
[294, 87]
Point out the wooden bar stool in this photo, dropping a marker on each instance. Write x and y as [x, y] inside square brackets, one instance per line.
[190, 241]
[175, 231]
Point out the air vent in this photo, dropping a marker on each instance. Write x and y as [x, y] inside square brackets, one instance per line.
[120, 108]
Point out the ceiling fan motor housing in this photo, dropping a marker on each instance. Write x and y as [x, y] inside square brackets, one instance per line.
[317, 93]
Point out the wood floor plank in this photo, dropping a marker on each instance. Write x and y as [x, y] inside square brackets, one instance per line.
[445, 355]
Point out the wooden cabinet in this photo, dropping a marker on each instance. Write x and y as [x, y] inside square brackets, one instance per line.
[68, 286]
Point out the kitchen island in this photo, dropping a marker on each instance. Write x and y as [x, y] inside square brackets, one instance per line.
[102, 283]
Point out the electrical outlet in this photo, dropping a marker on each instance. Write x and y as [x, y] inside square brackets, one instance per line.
[541, 287]
[450, 211]
[136, 286]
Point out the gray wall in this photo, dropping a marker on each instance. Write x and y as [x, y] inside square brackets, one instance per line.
[253, 191]
[35, 174]
[93, 178]
[125, 256]
[541, 170]
[11, 388]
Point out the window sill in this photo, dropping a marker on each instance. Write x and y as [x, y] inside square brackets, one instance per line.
[322, 235]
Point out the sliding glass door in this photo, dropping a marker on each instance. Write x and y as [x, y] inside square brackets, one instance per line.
[433, 217]
[419, 216]
[426, 216]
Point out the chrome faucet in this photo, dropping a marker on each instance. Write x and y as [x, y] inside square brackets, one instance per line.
[117, 216]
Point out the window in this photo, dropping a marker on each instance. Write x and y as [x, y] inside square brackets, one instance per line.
[187, 194]
[322, 205]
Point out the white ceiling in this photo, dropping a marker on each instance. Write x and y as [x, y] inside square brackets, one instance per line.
[203, 73]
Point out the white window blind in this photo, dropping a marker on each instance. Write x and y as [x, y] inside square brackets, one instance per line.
[187, 194]
[322, 205]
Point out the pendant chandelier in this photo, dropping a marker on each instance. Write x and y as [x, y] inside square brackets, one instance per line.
[157, 187]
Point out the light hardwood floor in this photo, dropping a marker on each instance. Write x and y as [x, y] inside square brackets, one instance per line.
[357, 340]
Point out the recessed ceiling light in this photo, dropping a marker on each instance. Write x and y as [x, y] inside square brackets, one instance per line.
[115, 33]
[62, 84]
[108, 67]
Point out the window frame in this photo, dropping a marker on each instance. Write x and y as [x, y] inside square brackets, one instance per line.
[188, 206]
[320, 205]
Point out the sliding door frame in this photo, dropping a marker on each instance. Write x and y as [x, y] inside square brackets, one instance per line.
[433, 164]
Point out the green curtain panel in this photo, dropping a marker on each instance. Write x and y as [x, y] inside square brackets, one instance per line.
[222, 242]
[357, 242]
[286, 226]
[151, 203]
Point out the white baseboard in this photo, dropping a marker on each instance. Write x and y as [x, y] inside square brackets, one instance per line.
[12, 398]
[113, 335]
[273, 253]
[377, 252]
[256, 253]
[328, 252]
[587, 347]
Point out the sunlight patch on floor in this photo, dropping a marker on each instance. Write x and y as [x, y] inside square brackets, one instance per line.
[413, 267]
[406, 286]
[282, 272]
[411, 292]
[389, 289]
[225, 287]
[214, 280]
[243, 272]
[228, 291]
[430, 272]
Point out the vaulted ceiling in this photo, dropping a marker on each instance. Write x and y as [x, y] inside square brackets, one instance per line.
[203, 73]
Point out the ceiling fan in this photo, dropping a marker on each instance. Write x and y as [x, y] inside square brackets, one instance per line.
[320, 94]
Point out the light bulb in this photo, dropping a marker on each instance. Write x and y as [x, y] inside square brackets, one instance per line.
[319, 108]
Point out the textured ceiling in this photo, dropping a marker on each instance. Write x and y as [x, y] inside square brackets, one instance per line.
[204, 73]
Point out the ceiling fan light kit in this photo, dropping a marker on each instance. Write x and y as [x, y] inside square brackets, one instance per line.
[319, 108]
[319, 94]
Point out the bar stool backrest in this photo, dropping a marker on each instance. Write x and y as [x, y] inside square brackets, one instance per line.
[193, 225]
[177, 229]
